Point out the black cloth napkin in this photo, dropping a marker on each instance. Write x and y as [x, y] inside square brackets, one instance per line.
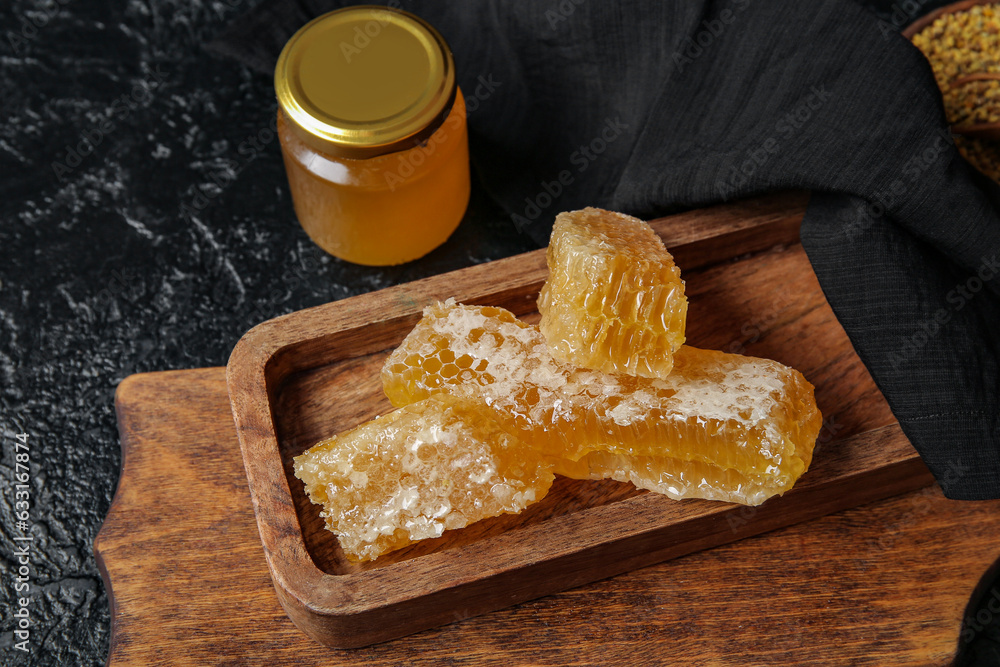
[646, 106]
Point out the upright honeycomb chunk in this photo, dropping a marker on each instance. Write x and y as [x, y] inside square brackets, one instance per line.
[434, 465]
[727, 412]
[614, 300]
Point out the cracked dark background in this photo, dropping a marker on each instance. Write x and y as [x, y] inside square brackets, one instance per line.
[103, 274]
[105, 271]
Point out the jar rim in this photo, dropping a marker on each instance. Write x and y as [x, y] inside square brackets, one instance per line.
[364, 81]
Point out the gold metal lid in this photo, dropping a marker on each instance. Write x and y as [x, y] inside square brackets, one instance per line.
[365, 81]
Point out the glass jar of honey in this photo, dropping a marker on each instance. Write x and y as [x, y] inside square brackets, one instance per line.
[373, 136]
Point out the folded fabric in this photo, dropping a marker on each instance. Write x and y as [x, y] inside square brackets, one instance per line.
[647, 106]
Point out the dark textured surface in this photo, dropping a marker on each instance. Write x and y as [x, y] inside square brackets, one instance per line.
[644, 107]
[103, 274]
[105, 271]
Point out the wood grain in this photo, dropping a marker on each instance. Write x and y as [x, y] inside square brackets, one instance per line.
[302, 377]
[766, 319]
[884, 584]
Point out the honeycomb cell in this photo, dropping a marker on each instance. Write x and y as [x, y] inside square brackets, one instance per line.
[614, 300]
[679, 479]
[434, 465]
[724, 414]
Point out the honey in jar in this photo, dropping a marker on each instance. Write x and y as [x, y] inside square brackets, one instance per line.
[373, 135]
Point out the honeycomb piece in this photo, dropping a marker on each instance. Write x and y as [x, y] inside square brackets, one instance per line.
[614, 300]
[488, 353]
[752, 416]
[434, 465]
[678, 479]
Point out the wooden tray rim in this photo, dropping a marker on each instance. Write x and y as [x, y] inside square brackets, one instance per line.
[273, 350]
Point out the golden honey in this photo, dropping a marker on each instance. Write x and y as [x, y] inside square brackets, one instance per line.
[614, 300]
[715, 420]
[373, 134]
[490, 407]
[434, 465]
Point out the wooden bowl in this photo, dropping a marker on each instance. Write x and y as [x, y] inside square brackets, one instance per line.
[954, 8]
[976, 130]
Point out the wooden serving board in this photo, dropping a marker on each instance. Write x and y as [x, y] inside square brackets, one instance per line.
[880, 585]
[300, 378]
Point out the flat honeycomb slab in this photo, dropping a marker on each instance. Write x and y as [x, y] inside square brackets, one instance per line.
[721, 426]
[435, 465]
